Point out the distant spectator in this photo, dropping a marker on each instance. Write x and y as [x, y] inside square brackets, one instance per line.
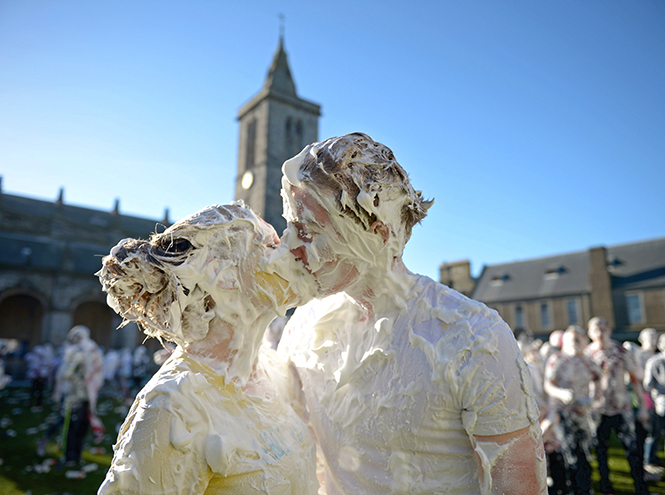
[649, 341]
[39, 362]
[82, 368]
[140, 363]
[7, 346]
[654, 383]
[614, 404]
[110, 365]
[567, 377]
[125, 370]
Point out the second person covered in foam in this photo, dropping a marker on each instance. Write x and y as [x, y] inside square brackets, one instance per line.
[212, 419]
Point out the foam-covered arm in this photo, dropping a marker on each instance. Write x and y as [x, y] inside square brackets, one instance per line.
[565, 395]
[145, 461]
[512, 463]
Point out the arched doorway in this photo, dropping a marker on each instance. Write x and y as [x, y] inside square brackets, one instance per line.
[21, 318]
[97, 317]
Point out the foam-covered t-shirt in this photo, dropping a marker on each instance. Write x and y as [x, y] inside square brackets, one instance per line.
[394, 399]
[189, 431]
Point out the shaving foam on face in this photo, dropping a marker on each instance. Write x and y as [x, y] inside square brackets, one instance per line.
[220, 268]
[368, 238]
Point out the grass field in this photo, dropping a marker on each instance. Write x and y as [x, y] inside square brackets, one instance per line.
[23, 472]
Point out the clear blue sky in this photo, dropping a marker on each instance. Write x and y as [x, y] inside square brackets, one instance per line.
[538, 127]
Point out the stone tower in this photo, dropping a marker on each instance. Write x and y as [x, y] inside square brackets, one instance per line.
[274, 126]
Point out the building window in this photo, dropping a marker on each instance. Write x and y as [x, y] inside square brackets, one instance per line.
[573, 313]
[250, 144]
[545, 320]
[499, 279]
[635, 308]
[294, 136]
[519, 318]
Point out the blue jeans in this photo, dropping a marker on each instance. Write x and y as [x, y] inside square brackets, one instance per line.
[624, 426]
[573, 435]
[653, 440]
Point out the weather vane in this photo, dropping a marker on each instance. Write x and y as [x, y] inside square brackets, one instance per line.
[281, 25]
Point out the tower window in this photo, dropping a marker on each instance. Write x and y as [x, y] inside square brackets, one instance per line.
[250, 144]
[293, 131]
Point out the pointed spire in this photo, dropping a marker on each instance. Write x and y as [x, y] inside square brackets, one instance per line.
[61, 197]
[279, 78]
[166, 219]
[116, 207]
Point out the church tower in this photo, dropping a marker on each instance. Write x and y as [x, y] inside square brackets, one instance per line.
[274, 126]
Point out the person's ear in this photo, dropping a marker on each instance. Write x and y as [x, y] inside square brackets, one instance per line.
[382, 229]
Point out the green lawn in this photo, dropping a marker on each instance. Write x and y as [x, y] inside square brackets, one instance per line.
[23, 472]
[620, 476]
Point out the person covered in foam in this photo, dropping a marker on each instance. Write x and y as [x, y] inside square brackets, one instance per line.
[568, 376]
[409, 386]
[213, 419]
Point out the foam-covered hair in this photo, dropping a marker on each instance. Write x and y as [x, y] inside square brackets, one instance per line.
[360, 174]
[140, 276]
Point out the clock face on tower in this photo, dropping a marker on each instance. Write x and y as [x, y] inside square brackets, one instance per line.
[247, 180]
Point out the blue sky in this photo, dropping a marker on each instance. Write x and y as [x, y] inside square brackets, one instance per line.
[538, 127]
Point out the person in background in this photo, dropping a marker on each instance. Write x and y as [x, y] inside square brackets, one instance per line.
[110, 365]
[613, 403]
[567, 377]
[125, 371]
[40, 363]
[654, 384]
[140, 363]
[82, 368]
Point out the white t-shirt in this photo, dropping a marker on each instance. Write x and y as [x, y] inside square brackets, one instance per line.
[191, 432]
[393, 401]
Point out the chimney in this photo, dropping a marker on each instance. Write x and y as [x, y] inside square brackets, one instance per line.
[601, 285]
[457, 275]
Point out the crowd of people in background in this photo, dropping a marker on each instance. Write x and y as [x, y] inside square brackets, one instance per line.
[588, 385]
[72, 376]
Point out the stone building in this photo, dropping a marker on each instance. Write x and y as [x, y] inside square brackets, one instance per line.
[624, 284]
[275, 125]
[49, 253]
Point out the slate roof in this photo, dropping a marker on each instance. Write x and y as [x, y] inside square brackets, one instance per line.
[46, 235]
[637, 265]
[634, 265]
